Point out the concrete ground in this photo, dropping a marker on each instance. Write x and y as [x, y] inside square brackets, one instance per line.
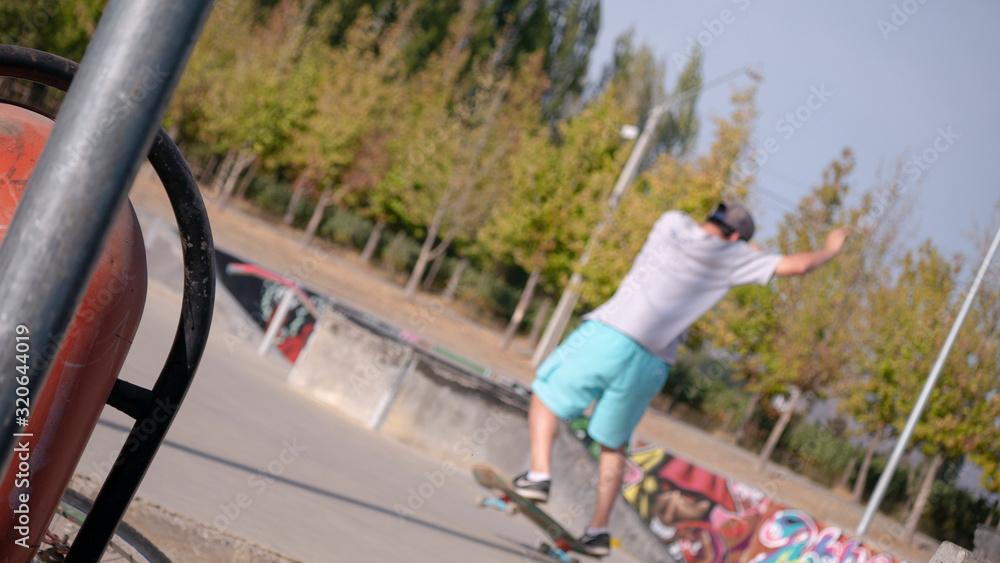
[252, 457]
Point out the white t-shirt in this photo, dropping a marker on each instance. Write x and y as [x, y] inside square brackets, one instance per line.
[681, 272]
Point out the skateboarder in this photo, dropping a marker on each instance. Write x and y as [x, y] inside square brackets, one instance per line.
[622, 353]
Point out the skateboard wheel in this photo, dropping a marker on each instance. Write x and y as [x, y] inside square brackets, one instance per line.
[481, 501]
[512, 509]
[544, 549]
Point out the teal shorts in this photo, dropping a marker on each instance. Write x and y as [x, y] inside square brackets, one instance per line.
[599, 362]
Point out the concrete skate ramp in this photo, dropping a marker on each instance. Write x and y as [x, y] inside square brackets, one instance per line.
[453, 415]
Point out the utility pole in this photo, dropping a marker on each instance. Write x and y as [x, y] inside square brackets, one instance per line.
[918, 409]
[564, 309]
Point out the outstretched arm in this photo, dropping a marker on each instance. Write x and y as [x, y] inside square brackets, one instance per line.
[805, 262]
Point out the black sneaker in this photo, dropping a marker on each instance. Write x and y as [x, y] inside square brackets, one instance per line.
[537, 491]
[598, 545]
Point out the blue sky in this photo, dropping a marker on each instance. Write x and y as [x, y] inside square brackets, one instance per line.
[891, 79]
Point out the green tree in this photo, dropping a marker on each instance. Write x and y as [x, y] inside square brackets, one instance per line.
[811, 342]
[558, 190]
[476, 110]
[243, 97]
[342, 149]
[985, 321]
[743, 324]
[963, 413]
[574, 30]
[869, 382]
[62, 28]
[679, 127]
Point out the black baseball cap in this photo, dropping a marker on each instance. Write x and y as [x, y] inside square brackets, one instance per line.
[734, 218]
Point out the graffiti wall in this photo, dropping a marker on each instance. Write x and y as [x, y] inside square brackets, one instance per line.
[708, 518]
[259, 291]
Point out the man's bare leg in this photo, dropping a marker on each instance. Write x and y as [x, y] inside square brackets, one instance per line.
[611, 470]
[542, 427]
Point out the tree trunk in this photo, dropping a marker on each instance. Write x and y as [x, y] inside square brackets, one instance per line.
[866, 463]
[298, 188]
[317, 218]
[206, 171]
[913, 481]
[522, 307]
[426, 255]
[243, 161]
[910, 527]
[540, 318]
[222, 172]
[326, 199]
[779, 429]
[426, 249]
[741, 432]
[456, 278]
[846, 477]
[241, 191]
[433, 272]
[465, 184]
[372, 244]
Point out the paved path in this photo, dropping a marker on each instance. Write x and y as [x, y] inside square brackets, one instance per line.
[253, 457]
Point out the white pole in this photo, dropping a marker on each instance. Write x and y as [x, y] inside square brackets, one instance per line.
[277, 320]
[918, 409]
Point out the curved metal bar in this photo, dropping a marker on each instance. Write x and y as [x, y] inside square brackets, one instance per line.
[160, 404]
[189, 344]
[106, 126]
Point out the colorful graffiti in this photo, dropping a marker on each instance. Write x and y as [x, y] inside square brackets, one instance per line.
[703, 517]
[259, 291]
[791, 535]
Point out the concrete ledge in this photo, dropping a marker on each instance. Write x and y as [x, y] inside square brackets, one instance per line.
[987, 542]
[351, 368]
[951, 553]
[459, 418]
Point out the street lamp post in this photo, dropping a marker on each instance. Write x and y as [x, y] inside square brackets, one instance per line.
[560, 317]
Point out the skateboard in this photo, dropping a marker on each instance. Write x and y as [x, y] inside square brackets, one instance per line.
[506, 499]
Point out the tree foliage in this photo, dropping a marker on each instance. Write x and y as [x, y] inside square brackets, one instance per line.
[61, 28]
